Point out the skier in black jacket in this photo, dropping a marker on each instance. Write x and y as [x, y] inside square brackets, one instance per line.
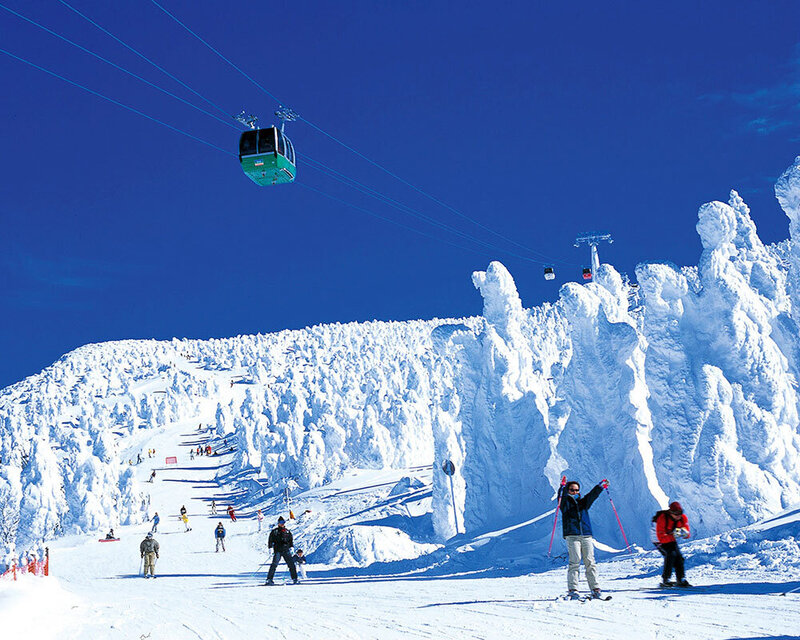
[281, 542]
[577, 530]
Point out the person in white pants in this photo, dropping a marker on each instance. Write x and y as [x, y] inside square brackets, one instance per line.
[300, 562]
[577, 531]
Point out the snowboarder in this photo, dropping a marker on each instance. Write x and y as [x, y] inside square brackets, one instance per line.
[577, 531]
[138, 458]
[149, 551]
[280, 541]
[213, 507]
[260, 517]
[110, 535]
[300, 562]
[219, 534]
[185, 520]
[670, 524]
[156, 520]
[152, 476]
[231, 513]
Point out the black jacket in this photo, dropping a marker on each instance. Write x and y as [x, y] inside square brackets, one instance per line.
[575, 521]
[280, 539]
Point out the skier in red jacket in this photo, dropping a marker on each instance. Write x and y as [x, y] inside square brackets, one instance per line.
[231, 513]
[670, 524]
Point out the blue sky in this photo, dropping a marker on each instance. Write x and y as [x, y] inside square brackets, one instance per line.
[537, 120]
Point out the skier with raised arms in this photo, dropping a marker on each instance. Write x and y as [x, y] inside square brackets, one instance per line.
[577, 531]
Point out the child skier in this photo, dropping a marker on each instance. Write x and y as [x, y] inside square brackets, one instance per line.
[577, 531]
[281, 541]
[185, 520]
[219, 534]
[300, 562]
[670, 524]
[260, 517]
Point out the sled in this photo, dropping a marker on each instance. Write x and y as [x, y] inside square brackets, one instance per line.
[108, 540]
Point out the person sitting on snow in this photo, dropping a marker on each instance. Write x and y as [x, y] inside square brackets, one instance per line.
[670, 524]
[110, 535]
[577, 531]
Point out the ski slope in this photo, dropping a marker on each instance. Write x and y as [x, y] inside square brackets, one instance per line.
[96, 591]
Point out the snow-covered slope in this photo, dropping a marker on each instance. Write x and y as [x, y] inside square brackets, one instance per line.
[685, 389]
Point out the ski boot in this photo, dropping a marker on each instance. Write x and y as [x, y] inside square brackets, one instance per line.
[597, 594]
[684, 584]
[572, 594]
[666, 584]
[269, 583]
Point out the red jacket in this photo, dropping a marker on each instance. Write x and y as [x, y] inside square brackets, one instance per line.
[665, 526]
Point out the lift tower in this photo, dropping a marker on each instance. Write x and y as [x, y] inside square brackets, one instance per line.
[593, 239]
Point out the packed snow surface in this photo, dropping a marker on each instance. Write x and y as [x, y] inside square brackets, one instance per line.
[679, 386]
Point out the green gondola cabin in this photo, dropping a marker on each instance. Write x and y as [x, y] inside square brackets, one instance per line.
[267, 156]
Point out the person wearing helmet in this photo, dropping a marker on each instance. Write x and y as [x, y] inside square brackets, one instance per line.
[281, 541]
[669, 525]
[149, 552]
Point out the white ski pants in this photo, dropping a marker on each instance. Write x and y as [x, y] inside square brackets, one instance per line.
[581, 548]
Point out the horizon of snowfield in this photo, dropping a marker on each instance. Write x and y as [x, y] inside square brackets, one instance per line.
[682, 386]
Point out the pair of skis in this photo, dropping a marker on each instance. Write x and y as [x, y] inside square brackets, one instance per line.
[583, 598]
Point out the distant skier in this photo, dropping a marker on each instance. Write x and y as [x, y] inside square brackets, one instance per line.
[191, 454]
[152, 476]
[668, 525]
[231, 513]
[138, 458]
[300, 562]
[577, 531]
[149, 551]
[185, 520]
[260, 517]
[156, 520]
[280, 541]
[219, 534]
[208, 449]
[213, 507]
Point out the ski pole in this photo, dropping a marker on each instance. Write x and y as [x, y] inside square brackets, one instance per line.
[555, 518]
[795, 590]
[616, 515]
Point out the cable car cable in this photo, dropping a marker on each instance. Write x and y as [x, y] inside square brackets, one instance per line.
[216, 51]
[116, 66]
[390, 220]
[116, 102]
[332, 173]
[144, 57]
[358, 153]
